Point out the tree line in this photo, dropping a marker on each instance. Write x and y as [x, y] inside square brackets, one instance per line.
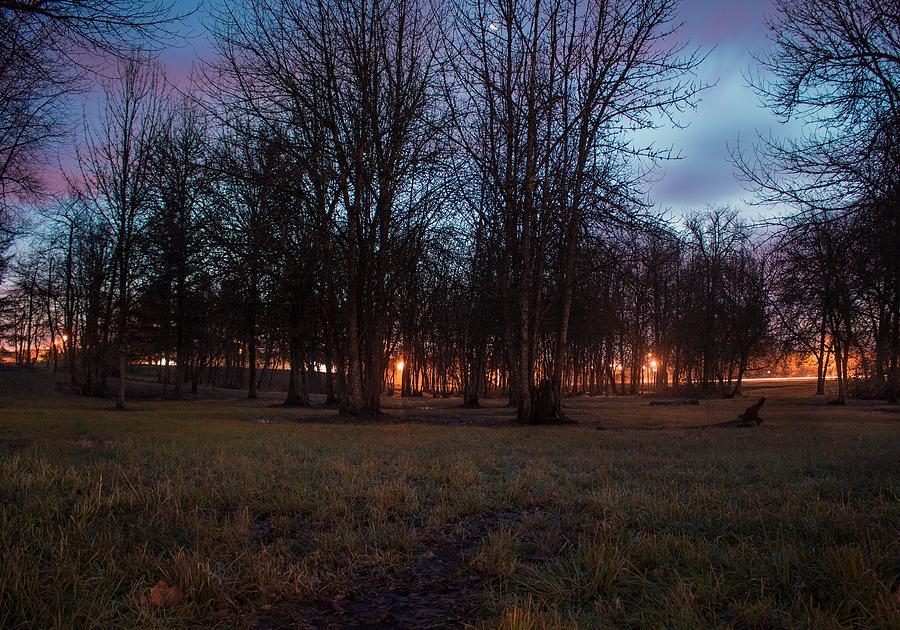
[457, 186]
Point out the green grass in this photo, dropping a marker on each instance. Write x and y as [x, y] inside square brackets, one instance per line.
[791, 525]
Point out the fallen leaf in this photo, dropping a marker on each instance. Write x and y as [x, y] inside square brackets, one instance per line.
[162, 596]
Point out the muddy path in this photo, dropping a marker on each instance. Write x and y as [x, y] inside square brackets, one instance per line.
[440, 589]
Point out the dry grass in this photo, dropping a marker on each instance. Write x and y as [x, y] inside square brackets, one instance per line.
[286, 523]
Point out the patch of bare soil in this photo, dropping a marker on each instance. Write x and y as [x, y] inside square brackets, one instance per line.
[266, 419]
[419, 412]
[88, 443]
[673, 403]
[15, 445]
[893, 409]
[434, 411]
[440, 590]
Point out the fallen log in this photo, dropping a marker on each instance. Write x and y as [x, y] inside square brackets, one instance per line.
[750, 418]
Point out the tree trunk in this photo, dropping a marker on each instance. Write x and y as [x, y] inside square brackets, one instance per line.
[251, 348]
[122, 332]
[474, 379]
[297, 394]
[821, 366]
[353, 403]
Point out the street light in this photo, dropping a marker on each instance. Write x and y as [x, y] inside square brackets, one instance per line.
[399, 365]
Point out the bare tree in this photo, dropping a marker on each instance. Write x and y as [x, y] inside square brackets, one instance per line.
[181, 187]
[364, 72]
[835, 66]
[241, 227]
[117, 176]
[545, 95]
[47, 51]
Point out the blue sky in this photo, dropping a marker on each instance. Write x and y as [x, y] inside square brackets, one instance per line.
[729, 110]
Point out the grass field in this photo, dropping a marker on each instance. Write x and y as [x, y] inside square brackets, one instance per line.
[269, 517]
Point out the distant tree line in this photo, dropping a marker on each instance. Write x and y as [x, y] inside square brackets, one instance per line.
[457, 186]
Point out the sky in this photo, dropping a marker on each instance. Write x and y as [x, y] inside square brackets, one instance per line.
[731, 31]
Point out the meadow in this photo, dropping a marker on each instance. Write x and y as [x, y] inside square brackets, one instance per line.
[436, 516]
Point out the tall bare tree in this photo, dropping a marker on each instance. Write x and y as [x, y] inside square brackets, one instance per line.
[365, 73]
[117, 177]
[834, 65]
[180, 190]
[545, 95]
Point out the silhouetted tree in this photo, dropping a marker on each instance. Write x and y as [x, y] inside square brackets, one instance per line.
[117, 169]
[835, 66]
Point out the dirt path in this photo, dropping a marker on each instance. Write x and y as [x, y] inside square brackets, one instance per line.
[440, 590]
